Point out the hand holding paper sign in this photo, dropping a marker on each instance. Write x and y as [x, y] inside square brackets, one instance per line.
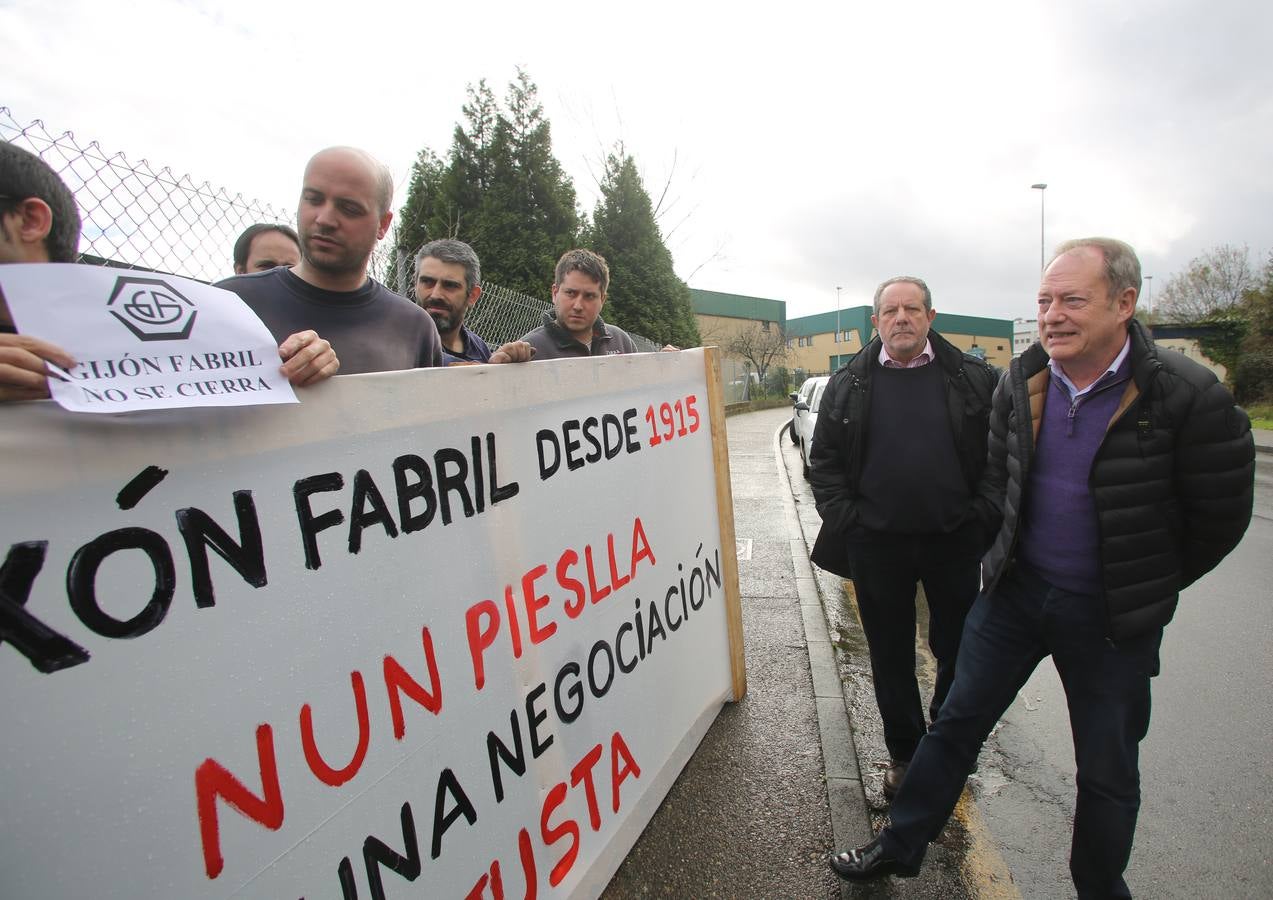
[307, 359]
[145, 340]
[23, 372]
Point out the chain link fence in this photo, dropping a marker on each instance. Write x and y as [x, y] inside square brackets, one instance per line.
[503, 315]
[138, 217]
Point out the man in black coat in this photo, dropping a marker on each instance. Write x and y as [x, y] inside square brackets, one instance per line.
[897, 452]
[1119, 473]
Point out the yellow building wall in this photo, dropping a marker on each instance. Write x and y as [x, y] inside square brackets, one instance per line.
[717, 331]
[998, 349]
[1190, 348]
[814, 359]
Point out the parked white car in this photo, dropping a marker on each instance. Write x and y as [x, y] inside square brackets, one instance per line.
[806, 412]
[801, 395]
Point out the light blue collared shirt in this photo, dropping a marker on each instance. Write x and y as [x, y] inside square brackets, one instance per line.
[1075, 393]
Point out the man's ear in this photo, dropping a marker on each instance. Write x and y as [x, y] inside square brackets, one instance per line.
[384, 224]
[1126, 304]
[37, 221]
[474, 294]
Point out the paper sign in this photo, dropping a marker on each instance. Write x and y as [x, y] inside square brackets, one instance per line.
[144, 340]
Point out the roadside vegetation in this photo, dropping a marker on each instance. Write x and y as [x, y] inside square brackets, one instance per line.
[1261, 415]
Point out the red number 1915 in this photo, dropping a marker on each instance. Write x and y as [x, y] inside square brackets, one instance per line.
[669, 420]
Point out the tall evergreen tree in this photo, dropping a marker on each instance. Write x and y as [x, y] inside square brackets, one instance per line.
[501, 190]
[528, 216]
[471, 167]
[417, 220]
[645, 295]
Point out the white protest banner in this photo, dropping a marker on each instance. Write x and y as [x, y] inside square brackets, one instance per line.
[432, 634]
[143, 340]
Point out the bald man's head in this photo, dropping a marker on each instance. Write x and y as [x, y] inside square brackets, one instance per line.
[377, 170]
[344, 210]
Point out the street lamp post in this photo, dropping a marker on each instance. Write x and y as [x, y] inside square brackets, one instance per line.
[1042, 189]
[836, 342]
[1149, 293]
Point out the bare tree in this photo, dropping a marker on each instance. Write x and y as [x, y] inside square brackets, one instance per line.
[762, 344]
[1213, 285]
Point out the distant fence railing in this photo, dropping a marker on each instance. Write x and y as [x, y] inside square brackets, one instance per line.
[137, 216]
[504, 315]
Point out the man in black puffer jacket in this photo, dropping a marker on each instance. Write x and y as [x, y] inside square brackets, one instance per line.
[897, 452]
[1119, 473]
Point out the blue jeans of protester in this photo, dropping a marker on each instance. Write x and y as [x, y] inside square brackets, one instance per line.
[1107, 689]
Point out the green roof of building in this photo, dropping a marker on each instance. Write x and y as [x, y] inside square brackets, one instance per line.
[853, 318]
[738, 306]
[859, 318]
[981, 326]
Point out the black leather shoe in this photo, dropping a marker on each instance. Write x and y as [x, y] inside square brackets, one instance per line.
[868, 863]
[893, 776]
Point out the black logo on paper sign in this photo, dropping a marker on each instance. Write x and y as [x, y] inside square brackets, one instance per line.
[152, 309]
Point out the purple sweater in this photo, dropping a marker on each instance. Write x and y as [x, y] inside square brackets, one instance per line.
[1060, 537]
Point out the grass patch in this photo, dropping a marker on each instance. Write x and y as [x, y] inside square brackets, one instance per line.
[1261, 416]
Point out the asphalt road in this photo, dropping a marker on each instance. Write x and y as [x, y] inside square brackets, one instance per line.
[1206, 767]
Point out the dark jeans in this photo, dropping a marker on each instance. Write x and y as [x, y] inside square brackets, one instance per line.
[886, 568]
[1107, 689]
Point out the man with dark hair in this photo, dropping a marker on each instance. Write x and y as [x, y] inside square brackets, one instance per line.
[574, 327]
[448, 283]
[344, 210]
[266, 246]
[897, 451]
[45, 221]
[1119, 473]
[39, 223]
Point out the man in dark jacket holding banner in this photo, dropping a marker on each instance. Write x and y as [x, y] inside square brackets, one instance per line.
[897, 452]
[1119, 473]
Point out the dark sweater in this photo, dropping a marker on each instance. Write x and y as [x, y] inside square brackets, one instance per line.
[1060, 537]
[911, 479]
[371, 329]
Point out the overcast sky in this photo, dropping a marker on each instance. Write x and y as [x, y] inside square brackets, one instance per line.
[807, 147]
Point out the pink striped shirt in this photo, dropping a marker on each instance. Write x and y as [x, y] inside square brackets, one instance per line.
[924, 358]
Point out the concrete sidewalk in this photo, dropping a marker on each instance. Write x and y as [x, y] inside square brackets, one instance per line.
[749, 816]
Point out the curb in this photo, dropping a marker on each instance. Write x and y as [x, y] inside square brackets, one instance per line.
[850, 821]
